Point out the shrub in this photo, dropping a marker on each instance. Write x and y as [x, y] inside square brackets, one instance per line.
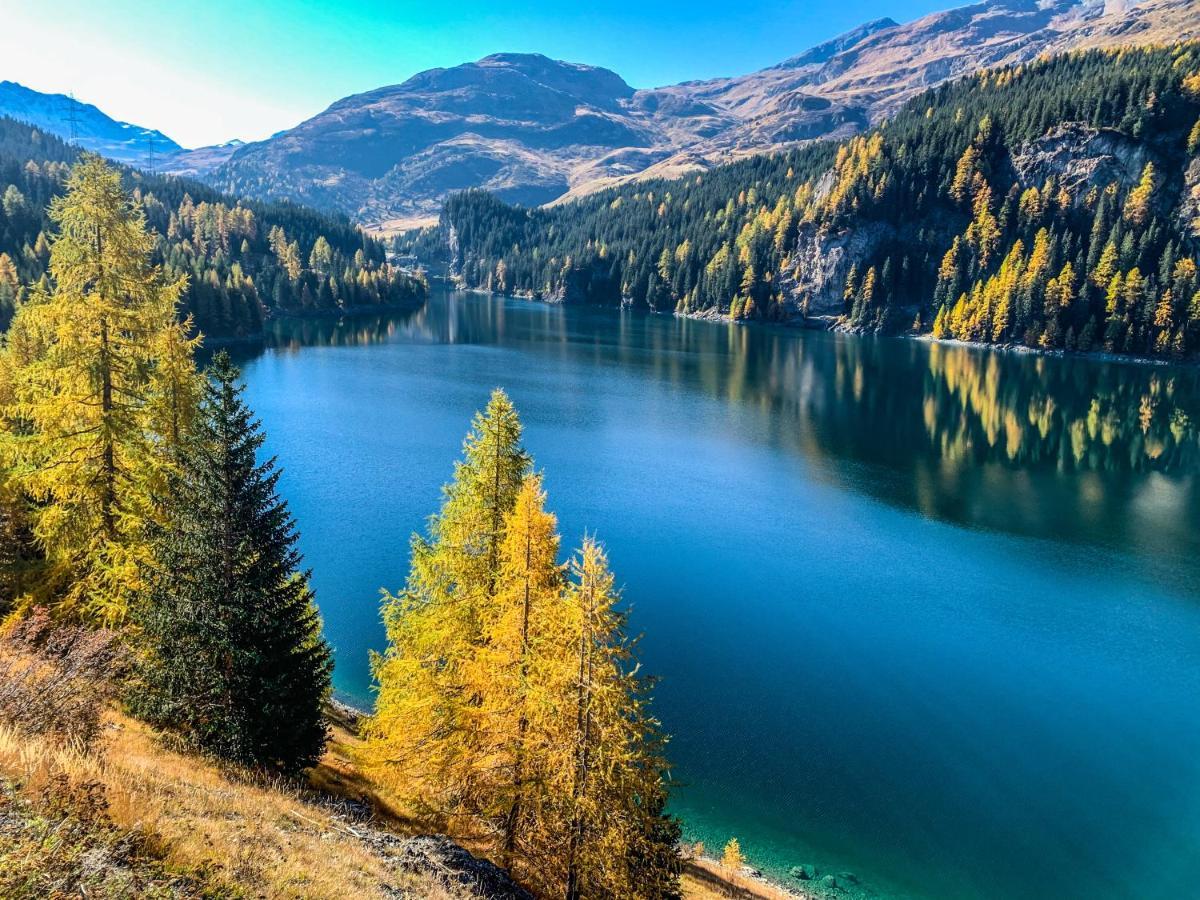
[56, 680]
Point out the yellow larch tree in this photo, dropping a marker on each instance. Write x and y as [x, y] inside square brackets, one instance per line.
[611, 782]
[79, 436]
[424, 736]
[521, 675]
[509, 705]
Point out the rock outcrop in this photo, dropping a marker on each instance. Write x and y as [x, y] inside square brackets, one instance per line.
[1189, 206]
[1080, 158]
[816, 281]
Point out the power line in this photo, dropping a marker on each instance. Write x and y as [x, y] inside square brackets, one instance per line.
[73, 118]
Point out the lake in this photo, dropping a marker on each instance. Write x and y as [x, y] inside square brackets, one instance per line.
[924, 613]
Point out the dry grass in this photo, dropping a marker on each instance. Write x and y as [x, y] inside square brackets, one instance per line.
[266, 838]
[208, 829]
[705, 879]
[252, 837]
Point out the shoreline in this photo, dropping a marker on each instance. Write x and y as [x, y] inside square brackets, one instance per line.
[705, 871]
[831, 324]
[350, 312]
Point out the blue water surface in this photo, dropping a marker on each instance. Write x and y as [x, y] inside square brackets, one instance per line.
[926, 614]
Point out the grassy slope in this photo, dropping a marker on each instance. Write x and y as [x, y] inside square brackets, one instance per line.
[221, 829]
[174, 824]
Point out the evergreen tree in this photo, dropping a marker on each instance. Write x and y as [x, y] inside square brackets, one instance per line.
[936, 184]
[234, 658]
[225, 245]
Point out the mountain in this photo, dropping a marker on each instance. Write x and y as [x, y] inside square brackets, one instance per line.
[195, 163]
[1053, 204]
[90, 128]
[534, 130]
[518, 124]
[245, 260]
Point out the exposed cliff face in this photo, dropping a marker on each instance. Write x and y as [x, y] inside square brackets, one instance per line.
[1076, 156]
[1079, 158]
[822, 261]
[1189, 207]
[534, 130]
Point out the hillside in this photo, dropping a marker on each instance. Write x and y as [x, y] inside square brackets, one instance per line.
[245, 261]
[85, 125]
[116, 809]
[1053, 204]
[532, 130]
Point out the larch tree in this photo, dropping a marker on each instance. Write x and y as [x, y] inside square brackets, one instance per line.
[425, 734]
[612, 785]
[78, 440]
[732, 861]
[521, 676]
[233, 655]
[509, 702]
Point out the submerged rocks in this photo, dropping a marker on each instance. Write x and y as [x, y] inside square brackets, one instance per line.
[804, 872]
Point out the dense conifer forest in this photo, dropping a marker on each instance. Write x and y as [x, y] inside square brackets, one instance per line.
[1052, 205]
[244, 260]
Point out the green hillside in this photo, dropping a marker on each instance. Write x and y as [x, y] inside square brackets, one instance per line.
[1053, 205]
[245, 260]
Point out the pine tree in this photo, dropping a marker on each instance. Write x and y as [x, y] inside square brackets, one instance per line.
[234, 658]
[80, 446]
[425, 733]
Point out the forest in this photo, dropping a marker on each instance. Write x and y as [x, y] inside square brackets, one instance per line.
[148, 562]
[244, 260]
[961, 217]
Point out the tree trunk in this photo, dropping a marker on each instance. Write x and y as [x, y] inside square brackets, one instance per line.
[109, 462]
[514, 811]
[583, 718]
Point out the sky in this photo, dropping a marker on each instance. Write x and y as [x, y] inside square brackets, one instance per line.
[207, 71]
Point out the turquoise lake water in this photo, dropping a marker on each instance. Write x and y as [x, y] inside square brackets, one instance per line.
[927, 614]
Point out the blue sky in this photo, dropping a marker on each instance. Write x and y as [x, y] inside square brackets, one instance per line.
[210, 70]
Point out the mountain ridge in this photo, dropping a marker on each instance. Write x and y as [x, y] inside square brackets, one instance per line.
[535, 130]
[93, 129]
